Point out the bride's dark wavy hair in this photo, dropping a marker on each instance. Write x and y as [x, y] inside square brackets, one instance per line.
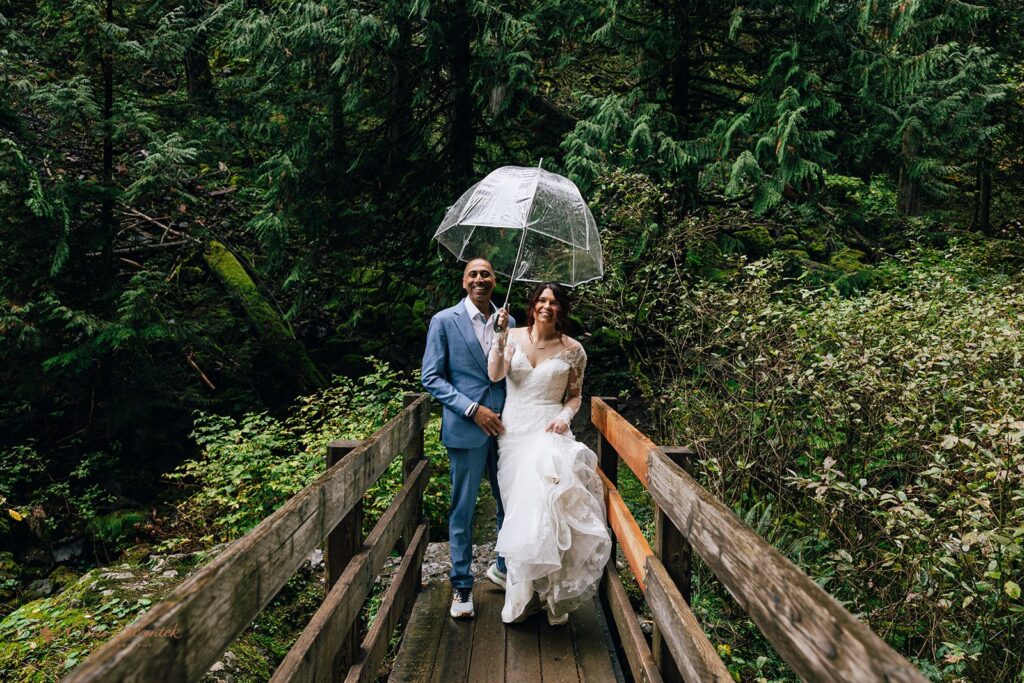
[561, 298]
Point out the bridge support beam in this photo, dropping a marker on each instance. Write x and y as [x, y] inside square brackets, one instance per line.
[675, 553]
[340, 547]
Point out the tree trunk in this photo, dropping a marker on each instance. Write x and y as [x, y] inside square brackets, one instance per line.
[908, 191]
[463, 134]
[107, 203]
[266, 322]
[400, 142]
[681, 65]
[199, 80]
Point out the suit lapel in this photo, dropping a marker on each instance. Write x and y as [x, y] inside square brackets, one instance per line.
[466, 328]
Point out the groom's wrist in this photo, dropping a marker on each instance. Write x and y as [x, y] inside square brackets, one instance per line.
[471, 410]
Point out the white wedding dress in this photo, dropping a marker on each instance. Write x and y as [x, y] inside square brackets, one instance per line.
[554, 537]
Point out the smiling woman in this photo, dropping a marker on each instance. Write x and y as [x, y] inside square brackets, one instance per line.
[553, 537]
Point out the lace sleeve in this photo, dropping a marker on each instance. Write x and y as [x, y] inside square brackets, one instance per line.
[500, 356]
[577, 360]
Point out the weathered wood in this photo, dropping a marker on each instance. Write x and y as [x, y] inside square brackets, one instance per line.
[557, 655]
[212, 607]
[607, 458]
[487, 661]
[629, 442]
[341, 546]
[416, 656]
[691, 651]
[674, 551]
[310, 658]
[592, 654]
[394, 608]
[453, 650]
[413, 453]
[819, 639]
[522, 651]
[638, 655]
[627, 531]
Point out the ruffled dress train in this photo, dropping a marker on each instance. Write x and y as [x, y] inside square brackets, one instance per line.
[554, 537]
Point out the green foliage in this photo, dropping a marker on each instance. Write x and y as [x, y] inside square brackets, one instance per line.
[884, 427]
[251, 465]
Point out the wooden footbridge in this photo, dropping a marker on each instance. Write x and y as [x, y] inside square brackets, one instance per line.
[819, 639]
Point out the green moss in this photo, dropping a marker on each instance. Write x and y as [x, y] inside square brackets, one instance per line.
[796, 254]
[757, 241]
[789, 240]
[847, 260]
[63, 576]
[43, 639]
[266, 321]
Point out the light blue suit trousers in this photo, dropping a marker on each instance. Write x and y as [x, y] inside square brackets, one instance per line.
[455, 373]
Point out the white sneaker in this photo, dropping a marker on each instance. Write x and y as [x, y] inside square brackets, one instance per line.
[462, 603]
[496, 576]
[558, 621]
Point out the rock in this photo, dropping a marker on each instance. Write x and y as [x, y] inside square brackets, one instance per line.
[757, 241]
[69, 551]
[788, 240]
[169, 574]
[316, 558]
[63, 576]
[223, 671]
[847, 260]
[117, 576]
[39, 588]
[37, 557]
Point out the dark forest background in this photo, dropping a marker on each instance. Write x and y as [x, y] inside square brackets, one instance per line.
[217, 216]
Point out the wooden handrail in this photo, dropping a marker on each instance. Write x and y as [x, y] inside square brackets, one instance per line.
[627, 532]
[211, 608]
[819, 639]
[397, 601]
[667, 605]
[629, 442]
[310, 658]
[809, 629]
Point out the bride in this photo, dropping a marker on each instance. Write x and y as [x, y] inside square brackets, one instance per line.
[554, 538]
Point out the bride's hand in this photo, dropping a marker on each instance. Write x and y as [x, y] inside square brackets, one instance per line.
[502, 322]
[557, 426]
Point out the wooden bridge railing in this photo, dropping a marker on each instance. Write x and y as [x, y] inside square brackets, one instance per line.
[211, 608]
[819, 639]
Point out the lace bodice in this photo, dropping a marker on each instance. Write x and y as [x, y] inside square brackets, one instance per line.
[534, 395]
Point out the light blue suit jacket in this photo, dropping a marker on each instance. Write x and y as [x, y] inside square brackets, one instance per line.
[455, 373]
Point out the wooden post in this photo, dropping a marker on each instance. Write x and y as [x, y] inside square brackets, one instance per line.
[607, 457]
[340, 547]
[675, 554]
[411, 457]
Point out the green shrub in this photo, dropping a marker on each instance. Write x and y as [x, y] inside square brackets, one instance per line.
[883, 428]
[250, 466]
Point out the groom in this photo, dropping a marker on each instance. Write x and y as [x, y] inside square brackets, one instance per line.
[455, 373]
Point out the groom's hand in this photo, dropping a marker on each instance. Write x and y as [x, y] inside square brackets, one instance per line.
[489, 421]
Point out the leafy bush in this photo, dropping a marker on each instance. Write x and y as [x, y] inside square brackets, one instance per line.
[250, 466]
[883, 429]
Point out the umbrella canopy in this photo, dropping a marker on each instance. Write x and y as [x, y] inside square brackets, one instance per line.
[530, 224]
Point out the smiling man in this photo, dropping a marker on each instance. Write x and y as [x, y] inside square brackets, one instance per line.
[455, 373]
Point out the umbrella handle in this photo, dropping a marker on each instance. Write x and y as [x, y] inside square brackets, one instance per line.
[498, 329]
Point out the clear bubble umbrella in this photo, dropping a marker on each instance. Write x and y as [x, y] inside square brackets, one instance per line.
[530, 224]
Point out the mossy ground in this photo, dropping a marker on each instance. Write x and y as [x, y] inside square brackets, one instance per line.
[43, 639]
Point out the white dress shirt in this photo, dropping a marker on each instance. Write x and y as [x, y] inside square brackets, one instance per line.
[483, 328]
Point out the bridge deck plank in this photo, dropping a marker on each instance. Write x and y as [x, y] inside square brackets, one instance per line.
[438, 648]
